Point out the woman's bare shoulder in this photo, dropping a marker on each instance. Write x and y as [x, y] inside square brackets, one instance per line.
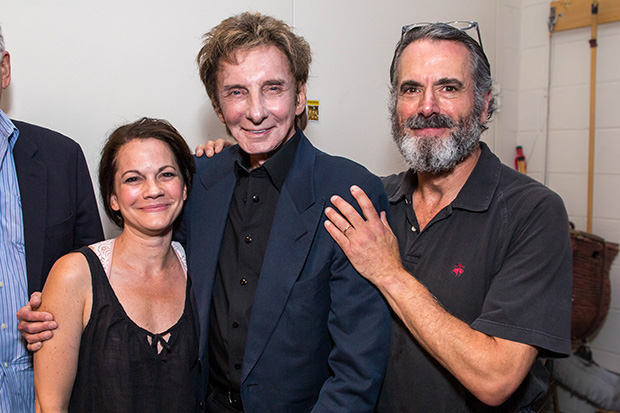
[70, 271]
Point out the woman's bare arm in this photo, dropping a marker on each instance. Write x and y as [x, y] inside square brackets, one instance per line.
[68, 296]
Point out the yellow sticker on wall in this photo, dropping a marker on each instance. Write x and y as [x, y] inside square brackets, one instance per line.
[313, 110]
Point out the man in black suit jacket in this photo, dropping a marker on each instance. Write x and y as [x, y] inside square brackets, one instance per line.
[285, 322]
[59, 214]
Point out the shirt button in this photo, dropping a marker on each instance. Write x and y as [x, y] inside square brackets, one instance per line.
[248, 239]
[413, 228]
[3, 326]
[6, 364]
[255, 198]
[1, 284]
[237, 366]
[243, 281]
[235, 324]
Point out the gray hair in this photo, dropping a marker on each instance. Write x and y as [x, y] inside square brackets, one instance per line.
[480, 67]
[1, 41]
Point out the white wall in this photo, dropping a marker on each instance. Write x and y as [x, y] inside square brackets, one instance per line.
[83, 68]
[564, 164]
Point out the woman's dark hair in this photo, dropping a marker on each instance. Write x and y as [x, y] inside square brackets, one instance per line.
[145, 128]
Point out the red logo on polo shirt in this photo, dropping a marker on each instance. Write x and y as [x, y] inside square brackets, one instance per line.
[458, 269]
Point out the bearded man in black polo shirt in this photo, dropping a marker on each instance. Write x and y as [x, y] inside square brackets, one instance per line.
[476, 264]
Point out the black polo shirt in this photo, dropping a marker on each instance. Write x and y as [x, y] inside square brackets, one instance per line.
[244, 243]
[498, 258]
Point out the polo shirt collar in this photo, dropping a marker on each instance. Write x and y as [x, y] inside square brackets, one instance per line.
[476, 194]
[408, 182]
[478, 191]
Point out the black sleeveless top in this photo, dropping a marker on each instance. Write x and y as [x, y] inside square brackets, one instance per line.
[120, 371]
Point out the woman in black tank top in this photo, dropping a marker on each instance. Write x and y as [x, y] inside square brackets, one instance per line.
[126, 340]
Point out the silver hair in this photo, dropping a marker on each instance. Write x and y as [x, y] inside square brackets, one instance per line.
[1, 41]
[435, 154]
[480, 67]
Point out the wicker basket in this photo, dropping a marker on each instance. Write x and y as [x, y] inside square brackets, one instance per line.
[592, 258]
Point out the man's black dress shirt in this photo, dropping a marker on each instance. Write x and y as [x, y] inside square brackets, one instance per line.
[244, 243]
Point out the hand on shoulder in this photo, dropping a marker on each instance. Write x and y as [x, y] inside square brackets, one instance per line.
[68, 282]
[211, 148]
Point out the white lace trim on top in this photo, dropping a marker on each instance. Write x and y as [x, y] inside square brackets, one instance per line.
[104, 250]
[178, 248]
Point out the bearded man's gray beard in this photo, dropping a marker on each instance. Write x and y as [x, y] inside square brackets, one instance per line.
[434, 154]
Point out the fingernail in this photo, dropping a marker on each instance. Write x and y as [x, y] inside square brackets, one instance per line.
[354, 188]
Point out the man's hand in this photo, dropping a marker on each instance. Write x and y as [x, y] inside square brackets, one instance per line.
[369, 243]
[36, 326]
[210, 148]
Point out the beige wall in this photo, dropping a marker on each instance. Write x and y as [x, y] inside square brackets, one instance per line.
[560, 159]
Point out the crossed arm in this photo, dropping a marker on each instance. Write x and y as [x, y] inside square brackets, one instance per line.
[491, 368]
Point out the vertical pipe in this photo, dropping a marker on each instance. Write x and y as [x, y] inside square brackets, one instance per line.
[593, 46]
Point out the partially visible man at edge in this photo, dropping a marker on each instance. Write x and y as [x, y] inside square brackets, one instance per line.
[477, 268]
[47, 209]
[285, 321]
